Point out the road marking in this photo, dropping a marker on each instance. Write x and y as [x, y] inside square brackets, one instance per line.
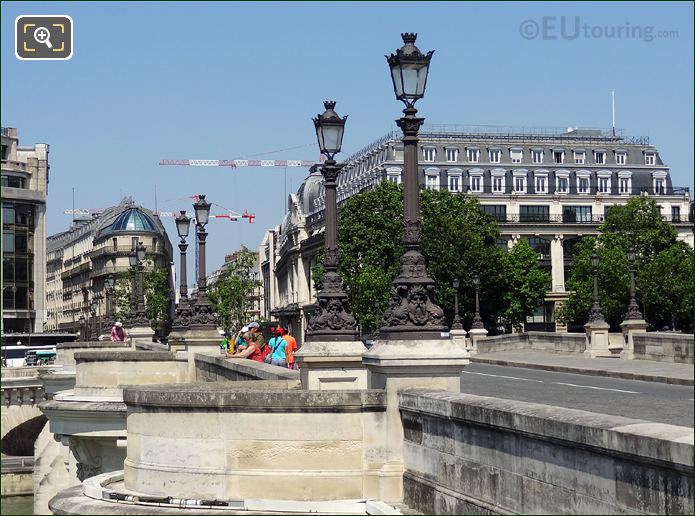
[502, 376]
[598, 388]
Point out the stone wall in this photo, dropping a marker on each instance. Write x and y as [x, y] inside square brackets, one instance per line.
[536, 341]
[468, 454]
[65, 351]
[210, 368]
[219, 441]
[103, 373]
[664, 347]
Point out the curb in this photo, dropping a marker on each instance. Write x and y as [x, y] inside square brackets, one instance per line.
[589, 372]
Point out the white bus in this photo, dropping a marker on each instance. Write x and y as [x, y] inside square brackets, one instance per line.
[15, 355]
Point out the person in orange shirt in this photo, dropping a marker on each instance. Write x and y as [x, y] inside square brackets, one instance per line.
[291, 346]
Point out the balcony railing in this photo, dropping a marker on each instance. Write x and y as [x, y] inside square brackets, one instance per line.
[572, 190]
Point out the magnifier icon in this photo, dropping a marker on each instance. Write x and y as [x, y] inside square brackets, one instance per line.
[42, 35]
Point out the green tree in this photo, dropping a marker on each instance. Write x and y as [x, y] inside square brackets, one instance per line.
[660, 258]
[231, 294]
[458, 241]
[158, 296]
[525, 284]
[122, 295]
[666, 285]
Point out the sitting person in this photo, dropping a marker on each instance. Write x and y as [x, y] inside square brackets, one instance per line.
[254, 347]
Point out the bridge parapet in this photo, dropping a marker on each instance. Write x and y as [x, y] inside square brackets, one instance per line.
[22, 391]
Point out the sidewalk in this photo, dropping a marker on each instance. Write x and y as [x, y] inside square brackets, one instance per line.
[646, 370]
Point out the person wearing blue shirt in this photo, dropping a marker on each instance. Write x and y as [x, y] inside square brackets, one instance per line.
[278, 345]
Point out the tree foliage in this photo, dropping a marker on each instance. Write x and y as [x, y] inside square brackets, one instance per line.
[663, 269]
[231, 294]
[158, 296]
[458, 241]
[524, 284]
[157, 292]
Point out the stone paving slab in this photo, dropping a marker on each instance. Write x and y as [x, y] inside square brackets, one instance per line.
[678, 374]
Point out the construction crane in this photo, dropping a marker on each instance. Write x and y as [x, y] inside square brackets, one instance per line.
[234, 163]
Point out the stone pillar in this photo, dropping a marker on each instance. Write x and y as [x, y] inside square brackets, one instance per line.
[459, 335]
[476, 335]
[630, 328]
[597, 339]
[557, 259]
[332, 365]
[396, 365]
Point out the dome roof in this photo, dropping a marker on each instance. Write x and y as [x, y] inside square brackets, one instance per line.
[133, 220]
[309, 191]
[128, 217]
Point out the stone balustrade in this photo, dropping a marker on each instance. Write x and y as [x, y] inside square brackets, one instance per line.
[664, 347]
[548, 342]
[468, 454]
[22, 391]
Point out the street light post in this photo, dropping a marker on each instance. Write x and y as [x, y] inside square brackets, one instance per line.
[456, 324]
[595, 315]
[138, 314]
[183, 224]
[331, 320]
[201, 313]
[109, 284]
[93, 311]
[477, 320]
[412, 312]
[633, 311]
[83, 329]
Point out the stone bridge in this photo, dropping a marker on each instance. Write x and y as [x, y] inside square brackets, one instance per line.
[22, 421]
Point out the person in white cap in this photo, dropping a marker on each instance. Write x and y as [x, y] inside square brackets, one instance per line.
[118, 333]
[239, 341]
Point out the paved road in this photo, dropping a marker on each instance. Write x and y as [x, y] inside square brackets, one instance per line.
[662, 403]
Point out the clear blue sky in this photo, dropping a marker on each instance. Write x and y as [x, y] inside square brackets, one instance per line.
[228, 80]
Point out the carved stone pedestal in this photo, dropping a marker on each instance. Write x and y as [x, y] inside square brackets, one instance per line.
[332, 365]
[476, 335]
[597, 339]
[631, 327]
[140, 333]
[396, 365]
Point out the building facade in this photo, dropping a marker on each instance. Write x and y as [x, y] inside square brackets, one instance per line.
[550, 187]
[24, 192]
[80, 259]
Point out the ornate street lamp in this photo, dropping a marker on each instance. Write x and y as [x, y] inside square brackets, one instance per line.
[83, 328]
[93, 312]
[477, 320]
[456, 324]
[633, 311]
[331, 320]
[412, 312]
[183, 225]
[595, 314]
[109, 284]
[138, 315]
[202, 314]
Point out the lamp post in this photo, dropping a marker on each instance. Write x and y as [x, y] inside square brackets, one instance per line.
[138, 316]
[595, 315]
[183, 224]
[633, 308]
[412, 312]
[456, 324]
[109, 284]
[477, 320]
[83, 329]
[93, 312]
[202, 314]
[331, 320]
